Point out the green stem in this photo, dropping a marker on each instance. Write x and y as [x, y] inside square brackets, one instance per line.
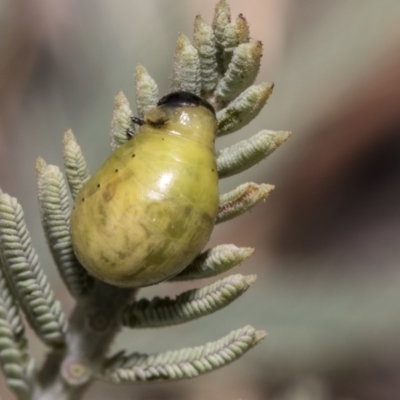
[93, 324]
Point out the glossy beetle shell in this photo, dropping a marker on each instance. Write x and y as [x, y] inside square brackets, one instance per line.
[151, 207]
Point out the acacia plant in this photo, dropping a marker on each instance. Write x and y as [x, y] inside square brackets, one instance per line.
[220, 65]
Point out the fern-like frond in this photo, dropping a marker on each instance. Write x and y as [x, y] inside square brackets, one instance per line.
[121, 122]
[204, 41]
[241, 199]
[186, 69]
[235, 33]
[246, 153]
[55, 213]
[74, 163]
[26, 275]
[14, 354]
[185, 363]
[222, 17]
[214, 261]
[146, 91]
[241, 73]
[190, 305]
[244, 108]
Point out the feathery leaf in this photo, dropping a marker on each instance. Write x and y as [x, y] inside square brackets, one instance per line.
[244, 108]
[121, 123]
[246, 153]
[186, 69]
[74, 163]
[55, 213]
[14, 354]
[190, 305]
[26, 275]
[214, 261]
[241, 199]
[185, 363]
[146, 91]
[241, 72]
[235, 33]
[222, 17]
[204, 41]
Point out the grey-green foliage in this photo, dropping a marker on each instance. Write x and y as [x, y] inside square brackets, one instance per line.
[220, 65]
[55, 212]
[187, 306]
[184, 363]
[13, 345]
[25, 275]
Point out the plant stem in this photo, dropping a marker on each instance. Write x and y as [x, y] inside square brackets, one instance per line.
[93, 324]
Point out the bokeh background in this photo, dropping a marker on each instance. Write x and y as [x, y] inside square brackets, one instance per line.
[328, 239]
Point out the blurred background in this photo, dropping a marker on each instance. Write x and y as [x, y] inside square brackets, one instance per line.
[328, 239]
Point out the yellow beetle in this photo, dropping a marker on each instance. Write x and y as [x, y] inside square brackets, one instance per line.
[151, 207]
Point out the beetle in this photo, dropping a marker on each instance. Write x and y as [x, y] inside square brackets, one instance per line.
[151, 207]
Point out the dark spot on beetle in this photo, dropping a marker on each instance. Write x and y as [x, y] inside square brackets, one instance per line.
[83, 199]
[98, 185]
[162, 138]
[108, 192]
[212, 169]
[116, 170]
[133, 155]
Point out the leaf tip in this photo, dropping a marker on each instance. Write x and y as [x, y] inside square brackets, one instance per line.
[282, 136]
[68, 136]
[119, 100]
[40, 166]
[182, 42]
[259, 336]
[140, 68]
[250, 279]
[222, 6]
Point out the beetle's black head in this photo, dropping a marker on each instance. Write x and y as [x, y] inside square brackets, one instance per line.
[182, 98]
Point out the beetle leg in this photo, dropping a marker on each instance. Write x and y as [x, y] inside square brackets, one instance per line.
[129, 133]
[137, 121]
